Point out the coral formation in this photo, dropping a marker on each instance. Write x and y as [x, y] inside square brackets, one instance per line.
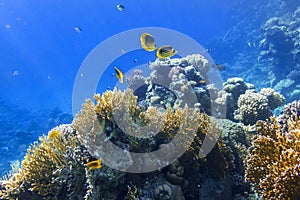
[252, 107]
[273, 162]
[280, 50]
[79, 161]
[243, 103]
[174, 82]
[45, 167]
[105, 112]
[291, 109]
[235, 86]
[274, 98]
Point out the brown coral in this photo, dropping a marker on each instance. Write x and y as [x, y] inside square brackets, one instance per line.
[273, 163]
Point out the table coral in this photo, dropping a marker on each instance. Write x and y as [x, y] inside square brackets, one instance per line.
[273, 163]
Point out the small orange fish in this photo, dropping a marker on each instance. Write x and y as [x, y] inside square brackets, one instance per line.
[95, 164]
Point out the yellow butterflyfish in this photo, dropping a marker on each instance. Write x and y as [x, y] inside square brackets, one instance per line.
[165, 52]
[147, 42]
[119, 75]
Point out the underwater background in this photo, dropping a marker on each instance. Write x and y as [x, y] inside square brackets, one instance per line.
[44, 43]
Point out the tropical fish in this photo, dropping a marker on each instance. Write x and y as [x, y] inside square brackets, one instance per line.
[202, 81]
[147, 42]
[119, 75]
[77, 29]
[53, 134]
[120, 7]
[165, 52]
[95, 164]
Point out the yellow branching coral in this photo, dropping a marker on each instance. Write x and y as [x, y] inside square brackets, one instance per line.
[273, 163]
[111, 101]
[86, 123]
[42, 165]
[117, 118]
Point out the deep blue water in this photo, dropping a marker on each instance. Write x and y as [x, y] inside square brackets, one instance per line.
[41, 52]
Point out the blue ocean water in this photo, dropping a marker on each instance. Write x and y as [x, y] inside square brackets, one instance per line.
[44, 43]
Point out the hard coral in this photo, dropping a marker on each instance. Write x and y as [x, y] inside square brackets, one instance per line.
[274, 98]
[273, 163]
[252, 107]
[290, 109]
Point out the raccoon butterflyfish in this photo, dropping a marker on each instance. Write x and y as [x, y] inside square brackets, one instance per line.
[120, 7]
[147, 42]
[53, 134]
[119, 75]
[165, 52]
[95, 164]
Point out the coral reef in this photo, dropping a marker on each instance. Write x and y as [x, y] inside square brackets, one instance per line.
[71, 173]
[99, 119]
[238, 47]
[243, 103]
[147, 120]
[229, 95]
[56, 169]
[52, 169]
[174, 82]
[273, 162]
[280, 51]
